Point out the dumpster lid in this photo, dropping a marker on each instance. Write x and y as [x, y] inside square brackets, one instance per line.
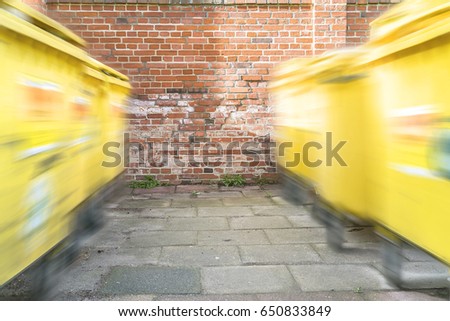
[42, 21]
[92, 68]
[340, 64]
[332, 64]
[402, 18]
[114, 75]
[291, 72]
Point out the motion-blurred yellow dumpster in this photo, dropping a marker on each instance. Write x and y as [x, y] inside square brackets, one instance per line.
[409, 163]
[343, 187]
[41, 63]
[299, 127]
[115, 122]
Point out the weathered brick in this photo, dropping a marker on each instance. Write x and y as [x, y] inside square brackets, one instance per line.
[200, 73]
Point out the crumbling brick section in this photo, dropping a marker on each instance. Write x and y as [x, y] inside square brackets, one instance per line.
[200, 71]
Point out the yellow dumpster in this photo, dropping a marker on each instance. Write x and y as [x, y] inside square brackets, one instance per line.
[298, 127]
[344, 84]
[92, 113]
[115, 121]
[409, 164]
[41, 70]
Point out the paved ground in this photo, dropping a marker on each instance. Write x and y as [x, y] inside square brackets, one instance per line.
[211, 243]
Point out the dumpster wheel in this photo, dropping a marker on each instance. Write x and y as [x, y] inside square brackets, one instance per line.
[335, 232]
[392, 258]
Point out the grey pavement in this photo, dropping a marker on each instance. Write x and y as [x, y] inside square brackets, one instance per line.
[216, 243]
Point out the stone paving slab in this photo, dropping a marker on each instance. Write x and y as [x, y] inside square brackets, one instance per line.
[128, 297]
[279, 210]
[247, 279]
[278, 254]
[272, 187]
[210, 195]
[232, 237]
[200, 256]
[304, 221]
[164, 196]
[352, 253]
[261, 222]
[161, 238]
[150, 280]
[296, 235]
[273, 192]
[436, 295]
[255, 193]
[130, 225]
[350, 296]
[107, 257]
[239, 188]
[84, 279]
[208, 297]
[230, 244]
[195, 202]
[157, 189]
[197, 223]
[196, 188]
[139, 197]
[169, 212]
[299, 296]
[247, 201]
[124, 212]
[312, 296]
[145, 203]
[104, 237]
[280, 201]
[341, 277]
[224, 211]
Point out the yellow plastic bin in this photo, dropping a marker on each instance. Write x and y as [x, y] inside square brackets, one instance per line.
[343, 188]
[298, 127]
[88, 111]
[41, 67]
[409, 165]
[115, 118]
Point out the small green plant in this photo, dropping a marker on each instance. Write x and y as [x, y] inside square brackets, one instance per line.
[358, 290]
[233, 180]
[260, 180]
[147, 182]
[195, 194]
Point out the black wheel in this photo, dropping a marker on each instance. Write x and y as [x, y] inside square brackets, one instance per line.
[392, 259]
[317, 212]
[293, 191]
[46, 274]
[44, 278]
[335, 232]
[91, 218]
[72, 248]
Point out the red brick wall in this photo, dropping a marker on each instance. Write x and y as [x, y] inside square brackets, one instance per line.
[360, 13]
[200, 106]
[330, 22]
